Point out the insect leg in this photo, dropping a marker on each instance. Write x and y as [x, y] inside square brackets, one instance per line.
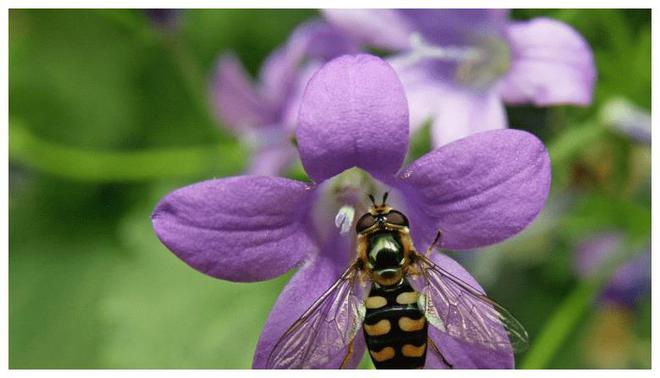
[436, 241]
[413, 271]
[349, 354]
[435, 350]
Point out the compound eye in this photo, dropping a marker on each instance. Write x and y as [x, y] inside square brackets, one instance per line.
[397, 218]
[366, 221]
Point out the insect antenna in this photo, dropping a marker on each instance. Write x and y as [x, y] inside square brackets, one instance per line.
[385, 198]
[373, 200]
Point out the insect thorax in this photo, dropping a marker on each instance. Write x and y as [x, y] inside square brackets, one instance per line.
[384, 256]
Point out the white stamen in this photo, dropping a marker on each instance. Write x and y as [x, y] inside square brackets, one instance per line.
[421, 50]
[344, 219]
[478, 64]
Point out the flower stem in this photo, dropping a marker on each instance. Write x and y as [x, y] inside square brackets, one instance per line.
[567, 315]
[192, 75]
[101, 166]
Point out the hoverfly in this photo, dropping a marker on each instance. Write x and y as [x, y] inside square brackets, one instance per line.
[407, 293]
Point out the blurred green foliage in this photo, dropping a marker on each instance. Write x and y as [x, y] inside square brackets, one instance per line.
[108, 113]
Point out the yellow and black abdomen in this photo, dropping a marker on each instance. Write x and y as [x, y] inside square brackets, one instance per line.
[395, 328]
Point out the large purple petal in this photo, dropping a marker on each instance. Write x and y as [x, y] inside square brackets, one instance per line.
[551, 64]
[353, 113]
[236, 103]
[460, 354]
[312, 280]
[383, 28]
[478, 190]
[246, 228]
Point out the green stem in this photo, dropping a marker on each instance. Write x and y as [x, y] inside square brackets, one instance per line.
[567, 315]
[191, 74]
[130, 21]
[85, 165]
[560, 325]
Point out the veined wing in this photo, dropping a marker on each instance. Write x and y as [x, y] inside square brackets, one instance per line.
[325, 329]
[463, 312]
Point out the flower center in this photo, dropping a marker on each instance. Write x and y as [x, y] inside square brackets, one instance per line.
[421, 50]
[349, 190]
[477, 66]
[482, 70]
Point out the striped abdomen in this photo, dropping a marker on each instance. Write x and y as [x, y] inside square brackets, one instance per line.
[395, 328]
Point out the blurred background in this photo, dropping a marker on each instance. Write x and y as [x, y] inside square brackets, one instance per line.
[109, 111]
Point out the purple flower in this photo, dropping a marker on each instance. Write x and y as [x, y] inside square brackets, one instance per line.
[263, 115]
[630, 281]
[353, 137]
[167, 19]
[458, 67]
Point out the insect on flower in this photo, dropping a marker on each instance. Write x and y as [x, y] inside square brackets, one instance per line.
[479, 190]
[407, 293]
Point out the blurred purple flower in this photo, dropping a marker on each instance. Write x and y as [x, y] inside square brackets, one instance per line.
[166, 19]
[263, 115]
[478, 191]
[459, 66]
[629, 282]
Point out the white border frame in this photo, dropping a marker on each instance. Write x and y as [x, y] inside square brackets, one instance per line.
[4, 221]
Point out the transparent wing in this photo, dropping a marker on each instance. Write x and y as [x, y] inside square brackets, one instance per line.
[461, 311]
[325, 329]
